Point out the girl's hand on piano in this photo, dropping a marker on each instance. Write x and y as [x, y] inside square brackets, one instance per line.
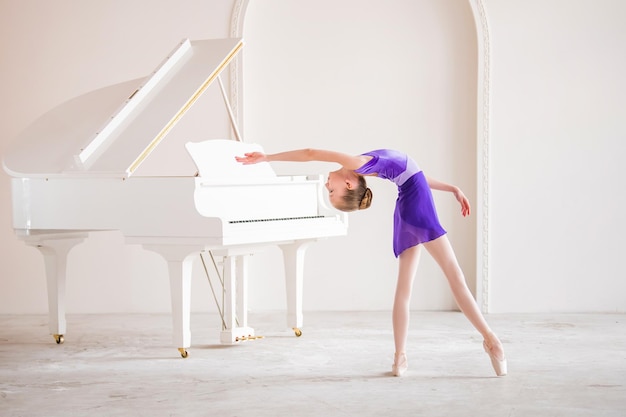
[251, 158]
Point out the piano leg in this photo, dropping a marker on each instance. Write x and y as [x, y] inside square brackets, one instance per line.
[55, 251]
[293, 258]
[179, 261]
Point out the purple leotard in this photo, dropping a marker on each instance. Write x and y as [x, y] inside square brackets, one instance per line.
[415, 218]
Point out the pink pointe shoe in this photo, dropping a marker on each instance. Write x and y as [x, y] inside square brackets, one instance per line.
[499, 365]
[400, 364]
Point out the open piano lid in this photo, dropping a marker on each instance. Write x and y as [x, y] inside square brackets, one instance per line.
[111, 131]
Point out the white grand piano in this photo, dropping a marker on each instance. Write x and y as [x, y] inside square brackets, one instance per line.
[73, 174]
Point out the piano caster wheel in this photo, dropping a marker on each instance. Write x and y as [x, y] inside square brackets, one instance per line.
[58, 338]
[297, 331]
[183, 352]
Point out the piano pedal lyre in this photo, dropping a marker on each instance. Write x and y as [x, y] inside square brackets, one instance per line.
[220, 306]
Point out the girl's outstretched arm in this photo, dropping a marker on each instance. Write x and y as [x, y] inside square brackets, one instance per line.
[304, 155]
[458, 194]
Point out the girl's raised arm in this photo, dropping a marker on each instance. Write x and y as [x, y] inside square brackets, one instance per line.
[458, 194]
[304, 155]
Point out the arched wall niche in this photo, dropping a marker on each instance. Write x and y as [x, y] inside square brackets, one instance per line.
[482, 207]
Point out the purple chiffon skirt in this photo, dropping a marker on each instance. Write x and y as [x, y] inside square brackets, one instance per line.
[415, 218]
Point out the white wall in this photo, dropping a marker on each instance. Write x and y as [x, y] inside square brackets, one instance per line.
[400, 74]
[558, 152]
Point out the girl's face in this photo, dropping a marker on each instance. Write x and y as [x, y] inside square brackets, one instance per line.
[338, 182]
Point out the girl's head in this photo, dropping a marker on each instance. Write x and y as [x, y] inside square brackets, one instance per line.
[348, 190]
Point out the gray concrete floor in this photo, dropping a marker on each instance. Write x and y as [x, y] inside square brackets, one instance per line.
[124, 365]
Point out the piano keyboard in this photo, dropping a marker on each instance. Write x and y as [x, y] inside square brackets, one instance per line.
[276, 219]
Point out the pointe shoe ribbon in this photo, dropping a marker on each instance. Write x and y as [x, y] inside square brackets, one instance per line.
[499, 365]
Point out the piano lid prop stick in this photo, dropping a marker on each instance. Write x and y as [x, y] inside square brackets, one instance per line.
[230, 110]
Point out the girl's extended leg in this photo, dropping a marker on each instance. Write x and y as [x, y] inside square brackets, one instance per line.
[441, 250]
[408, 261]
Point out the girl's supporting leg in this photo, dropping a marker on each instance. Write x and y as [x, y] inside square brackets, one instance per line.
[407, 267]
[441, 250]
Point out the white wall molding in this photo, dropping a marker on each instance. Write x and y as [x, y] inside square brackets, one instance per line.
[236, 68]
[483, 163]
